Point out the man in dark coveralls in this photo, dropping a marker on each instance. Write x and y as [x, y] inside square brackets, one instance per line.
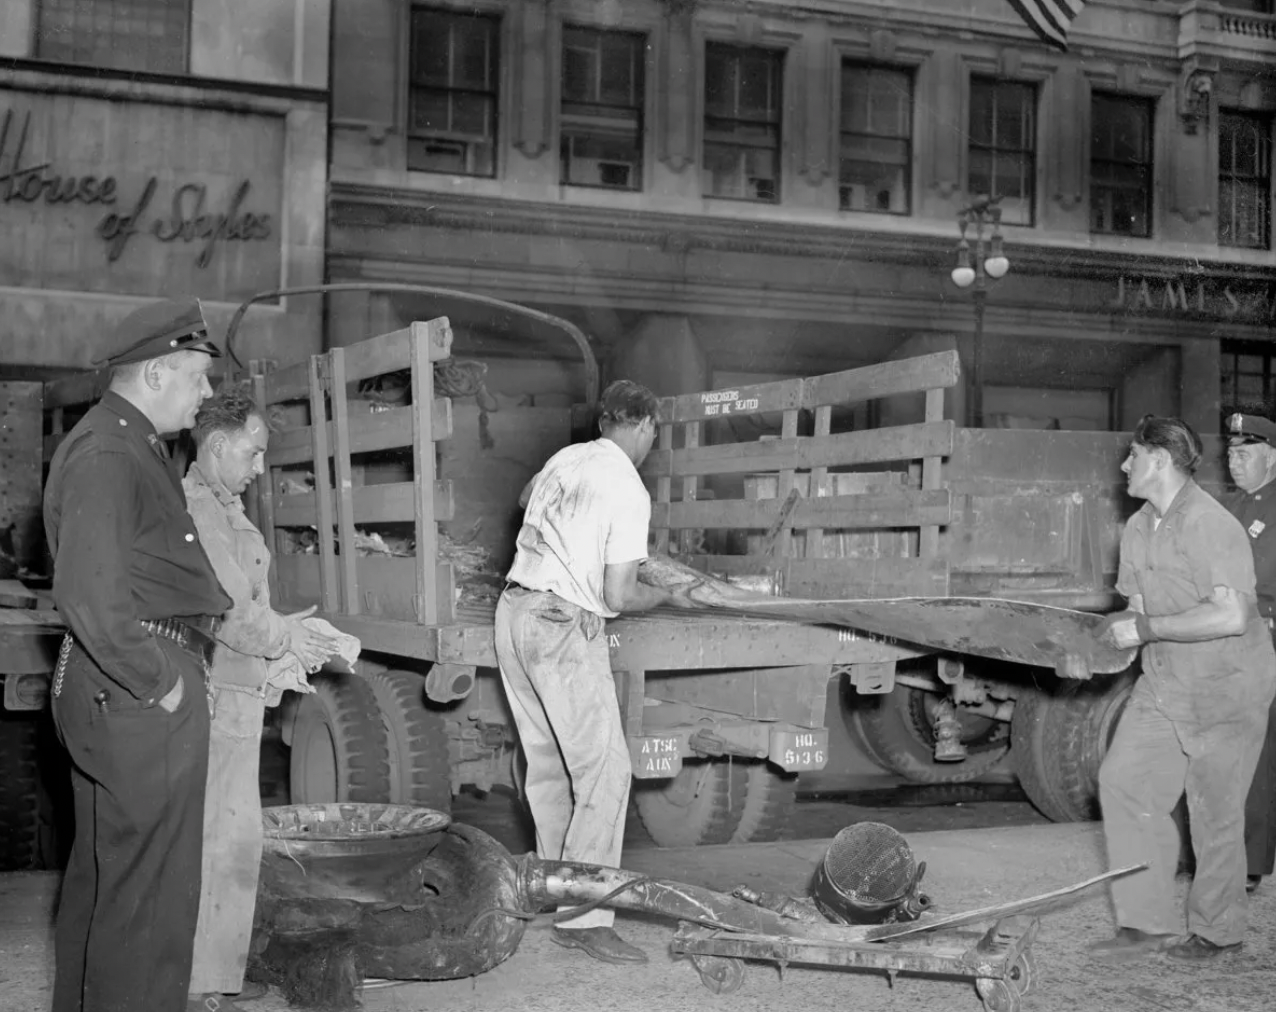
[129, 693]
[1251, 459]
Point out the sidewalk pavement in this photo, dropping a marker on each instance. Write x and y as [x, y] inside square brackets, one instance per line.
[965, 869]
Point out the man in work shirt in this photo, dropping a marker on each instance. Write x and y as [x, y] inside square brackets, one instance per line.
[129, 693]
[583, 535]
[1196, 718]
[1251, 459]
[231, 437]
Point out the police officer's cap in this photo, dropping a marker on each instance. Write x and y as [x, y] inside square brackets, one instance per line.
[159, 329]
[1242, 429]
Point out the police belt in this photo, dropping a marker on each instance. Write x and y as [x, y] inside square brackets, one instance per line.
[194, 634]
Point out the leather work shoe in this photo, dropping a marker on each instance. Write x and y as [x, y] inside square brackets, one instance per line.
[1251, 883]
[1196, 947]
[601, 943]
[1129, 943]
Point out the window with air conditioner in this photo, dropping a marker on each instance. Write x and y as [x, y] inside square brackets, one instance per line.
[600, 121]
[876, 163]
[453, 92]
[743, 95]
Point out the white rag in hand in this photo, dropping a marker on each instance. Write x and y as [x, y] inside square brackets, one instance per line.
[287, 672]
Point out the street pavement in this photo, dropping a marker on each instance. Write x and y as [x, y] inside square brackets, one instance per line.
[966, 868]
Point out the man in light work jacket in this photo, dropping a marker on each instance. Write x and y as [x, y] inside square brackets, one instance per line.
[129, 696]
[1196, 718]
[231, 437]
[1251, 459]
[576, 564]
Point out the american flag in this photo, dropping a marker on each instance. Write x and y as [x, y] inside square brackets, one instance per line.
[1050, 19]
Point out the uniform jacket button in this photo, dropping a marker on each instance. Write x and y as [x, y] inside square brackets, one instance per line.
[190, 537]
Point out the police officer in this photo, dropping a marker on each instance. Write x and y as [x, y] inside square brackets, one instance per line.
[130, 691]
[1251, 459]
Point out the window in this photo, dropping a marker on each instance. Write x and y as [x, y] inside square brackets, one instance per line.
[1003, 145]
[875, 168]
[1244, 180]
[1246, 371]
[453, 93]
[601, 122]
[145, 35]
[743, 91]
[1120, 165]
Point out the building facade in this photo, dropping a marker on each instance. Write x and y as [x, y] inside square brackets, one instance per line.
[152, 148]
[719, 190]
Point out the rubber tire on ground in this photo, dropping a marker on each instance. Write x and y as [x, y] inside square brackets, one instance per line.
[417, 736]
[892, 728]
[340, 747]
[1060, 733]
[701, 805]
[19, 791]
[769, 797]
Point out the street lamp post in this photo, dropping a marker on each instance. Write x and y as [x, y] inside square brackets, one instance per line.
[988, 261]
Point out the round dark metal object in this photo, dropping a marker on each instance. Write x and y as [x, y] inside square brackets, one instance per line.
[869, 876]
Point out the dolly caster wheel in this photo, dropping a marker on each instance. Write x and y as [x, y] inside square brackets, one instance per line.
[998, 996]
[720, 974]
[1023, 974]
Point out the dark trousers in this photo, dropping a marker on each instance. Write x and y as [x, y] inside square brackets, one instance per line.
[1260, 807]
[130, 896]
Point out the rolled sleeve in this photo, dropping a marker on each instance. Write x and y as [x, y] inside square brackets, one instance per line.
[91, 573]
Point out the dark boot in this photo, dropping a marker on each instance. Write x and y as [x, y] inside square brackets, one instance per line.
[1129, 943]
[601, 943]
[1196, 947]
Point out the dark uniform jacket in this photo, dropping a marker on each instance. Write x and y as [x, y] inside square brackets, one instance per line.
[1257, 513]
[124, 548]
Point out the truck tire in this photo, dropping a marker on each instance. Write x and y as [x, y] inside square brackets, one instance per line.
[418, 742]
[769, 797]
[895, 729]
[1060, 734]
[340, 748]
[20, 848]
[703, 804]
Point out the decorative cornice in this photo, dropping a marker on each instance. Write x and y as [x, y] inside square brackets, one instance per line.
[354, 206]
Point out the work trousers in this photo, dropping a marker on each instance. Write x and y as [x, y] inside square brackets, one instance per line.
[1152, 762]
[1260, 806]
[557, 675]
[130, 895]
[232, 842]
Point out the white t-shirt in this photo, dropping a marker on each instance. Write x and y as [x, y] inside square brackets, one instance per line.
[588, 509]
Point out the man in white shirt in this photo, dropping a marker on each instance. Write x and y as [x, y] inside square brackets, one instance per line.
[584, 533]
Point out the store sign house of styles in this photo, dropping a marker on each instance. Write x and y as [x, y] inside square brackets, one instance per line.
[188, 216]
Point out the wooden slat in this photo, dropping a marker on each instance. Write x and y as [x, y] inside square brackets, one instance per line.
[690, 485]
[341, 472]
[901, 442]
[932, 477]
[371, 504]
[372, 357]
[925, 372]
[387, 586]
[819, 482]
[264, 488]
[831, 579]
[664, 490]
[902, 508]
[378, 430]
[323, 487]
[783, 546]
[429, 608]
[746, 400]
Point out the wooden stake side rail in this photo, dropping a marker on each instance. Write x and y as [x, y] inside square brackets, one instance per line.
[418, 589]
[908, 495]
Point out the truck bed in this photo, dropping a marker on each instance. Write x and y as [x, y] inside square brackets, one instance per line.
[664, 639]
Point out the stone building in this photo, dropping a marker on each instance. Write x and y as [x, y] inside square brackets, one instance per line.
[721, 190]
[151, 148]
